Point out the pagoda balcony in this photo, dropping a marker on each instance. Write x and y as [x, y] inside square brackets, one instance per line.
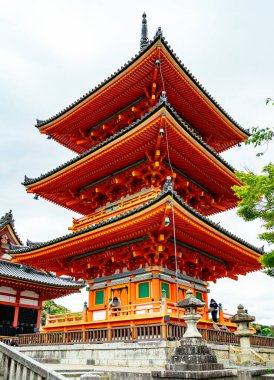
[115, 208]
[149, 313]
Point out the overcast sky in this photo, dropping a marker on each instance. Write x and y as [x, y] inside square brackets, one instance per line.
[54, 51]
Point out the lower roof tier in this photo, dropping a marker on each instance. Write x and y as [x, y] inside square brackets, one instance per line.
[138, 157]
[25, 277]
[144, 236]
[47, 284]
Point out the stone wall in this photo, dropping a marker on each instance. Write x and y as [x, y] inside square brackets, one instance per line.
[139, 354]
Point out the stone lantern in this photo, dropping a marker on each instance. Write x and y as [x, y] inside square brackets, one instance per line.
[190, 304]
[193, 359]
[242, 318]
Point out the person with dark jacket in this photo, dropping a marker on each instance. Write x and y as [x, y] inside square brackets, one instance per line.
[213, 308]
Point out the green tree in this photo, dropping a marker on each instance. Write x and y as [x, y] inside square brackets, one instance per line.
[257, 194]
[261, 136]
[263, 330]
[50, 307]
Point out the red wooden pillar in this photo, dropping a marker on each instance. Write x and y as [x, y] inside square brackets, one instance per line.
[16, 310]
[39, 312]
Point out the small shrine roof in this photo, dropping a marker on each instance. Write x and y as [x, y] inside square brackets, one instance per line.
[6, 220]
[157, 39]
[167, 106]
[28, 274]
[124, 215]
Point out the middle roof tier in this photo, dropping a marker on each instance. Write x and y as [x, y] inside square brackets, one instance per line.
[138, 157]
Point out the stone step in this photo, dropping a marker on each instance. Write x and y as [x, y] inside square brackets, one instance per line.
[193, 350]
[84, 374]
[193, 359]
[194, 367]
[208, 375]
[94, 376]
[47, 360]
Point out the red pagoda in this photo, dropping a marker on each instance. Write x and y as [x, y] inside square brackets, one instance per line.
[147, 174]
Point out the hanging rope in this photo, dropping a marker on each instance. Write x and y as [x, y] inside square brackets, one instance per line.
[164, 99]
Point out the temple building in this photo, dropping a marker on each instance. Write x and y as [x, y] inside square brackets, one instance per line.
[23, 288]
[147, 175]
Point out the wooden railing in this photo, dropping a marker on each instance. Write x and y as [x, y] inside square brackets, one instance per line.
[132, 311]
[257, 340]
[164, 331]
[64, 318]
[115, 208]
[15, 365]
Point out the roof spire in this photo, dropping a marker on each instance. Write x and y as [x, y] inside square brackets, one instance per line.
[144, 39]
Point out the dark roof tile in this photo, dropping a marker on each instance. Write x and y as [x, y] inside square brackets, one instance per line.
[183, 67]
[184, 124]
[162, 194]
[22, 272]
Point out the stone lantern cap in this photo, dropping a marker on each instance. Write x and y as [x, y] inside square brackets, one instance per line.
[190, 301]
[242, 316]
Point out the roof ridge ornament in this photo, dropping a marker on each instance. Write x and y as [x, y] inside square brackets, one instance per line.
[30, 243]
[7, 219]
[163, 98]
[39, 122]
[159, 32]
[168, 185]
[144, 31]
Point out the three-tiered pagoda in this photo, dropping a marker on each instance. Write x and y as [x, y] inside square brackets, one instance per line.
[147, 174]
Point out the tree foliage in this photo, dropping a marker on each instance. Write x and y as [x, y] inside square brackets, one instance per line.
[261, 136]
[263, 330]
[257, 202]
[257, 194]
[50, 307]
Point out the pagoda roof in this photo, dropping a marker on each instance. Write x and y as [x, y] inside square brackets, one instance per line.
[77, 243]
[42, 185]
[18, 273]
[190, 99]
[7, 221]
[22, 273]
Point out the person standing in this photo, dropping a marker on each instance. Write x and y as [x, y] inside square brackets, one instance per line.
[213, 308]
[115, 305]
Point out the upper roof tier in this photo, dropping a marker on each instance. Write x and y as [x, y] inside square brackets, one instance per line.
[143, 143]
[143, 78]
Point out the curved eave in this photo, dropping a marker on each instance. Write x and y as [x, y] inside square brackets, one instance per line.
[44, 287]
[10, 271]
[78, 109]
[72, 244]
[33, 185]
[208, 98]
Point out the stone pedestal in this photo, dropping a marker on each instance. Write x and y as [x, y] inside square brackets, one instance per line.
[193, 354]
[191, 321]
[193, 359]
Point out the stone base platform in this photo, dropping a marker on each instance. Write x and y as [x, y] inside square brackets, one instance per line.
[176, 375]
[148, 354]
